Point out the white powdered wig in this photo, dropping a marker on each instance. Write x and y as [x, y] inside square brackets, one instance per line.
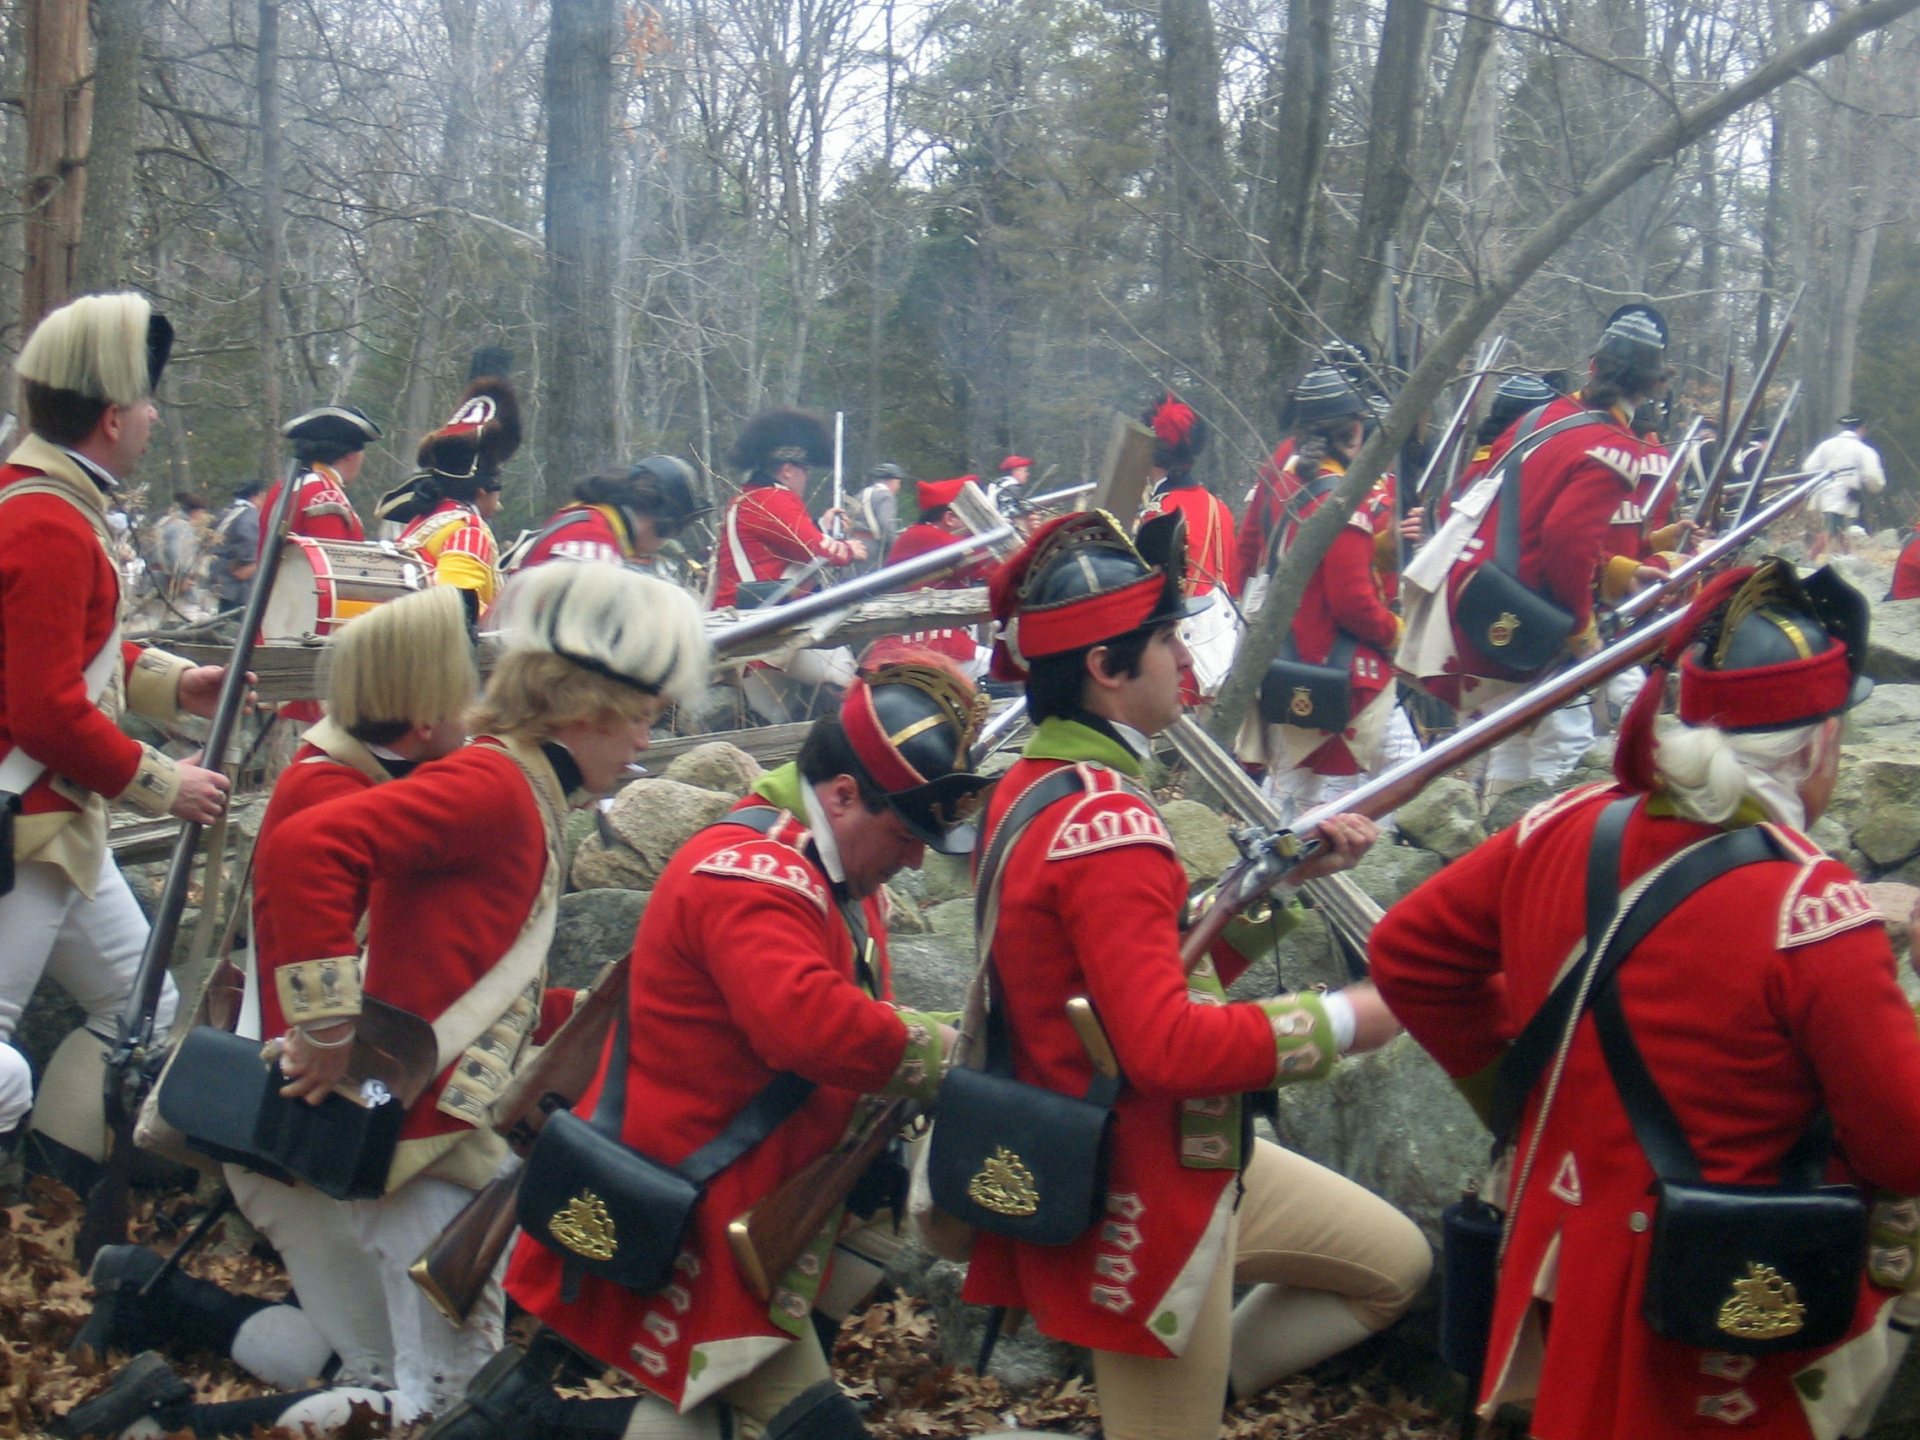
[611, 621]
[1708, 771]
[95, 346]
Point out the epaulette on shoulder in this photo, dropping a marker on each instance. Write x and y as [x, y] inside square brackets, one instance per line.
[772, 859]
[1617, 458]
[1824, 899]
[1555, 805]
[1108, 814]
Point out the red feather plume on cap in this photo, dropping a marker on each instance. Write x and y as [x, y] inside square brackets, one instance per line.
[1633, 748]
[1173, 422]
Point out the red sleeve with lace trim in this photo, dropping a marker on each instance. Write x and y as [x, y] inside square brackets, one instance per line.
[781, 524]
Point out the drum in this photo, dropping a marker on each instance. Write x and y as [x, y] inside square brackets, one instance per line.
[322, 584]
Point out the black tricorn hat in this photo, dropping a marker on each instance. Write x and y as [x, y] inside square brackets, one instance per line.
[343, 428]
[781, 437]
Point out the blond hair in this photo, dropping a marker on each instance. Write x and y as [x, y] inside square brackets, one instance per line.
[95, 347]
[404, 663]
[534, 694]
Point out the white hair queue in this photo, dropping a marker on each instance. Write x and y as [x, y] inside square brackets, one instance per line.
[1708, 772]
[612, 621]
[95, 346]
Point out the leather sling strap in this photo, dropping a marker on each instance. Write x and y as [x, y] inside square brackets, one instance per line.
[1104, 1089]
[760, 1117]
[1526, 1061]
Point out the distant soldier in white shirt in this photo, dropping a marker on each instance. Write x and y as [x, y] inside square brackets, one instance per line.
[1856, 468]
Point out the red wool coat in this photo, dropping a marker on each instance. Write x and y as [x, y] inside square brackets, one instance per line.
[1344, 596]
[743, 968]
[446, 864]
[579, 532]
[1570, 489]
[1090, 905]
[1212, 561]
[775, 536]
[922, 539]
[1906, 571]
[59, 603]
[1765, 995]
[321, 508]
[1273, 487]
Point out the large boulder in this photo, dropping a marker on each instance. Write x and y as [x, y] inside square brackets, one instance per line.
[1893, 643]
[933, 971]
[595, 928]
[1200, 839]
[649, 821]
[1892, 712]
[1885, 817]
[944, 877]
[715, 765]
[1443, 818]
[1021, 1356]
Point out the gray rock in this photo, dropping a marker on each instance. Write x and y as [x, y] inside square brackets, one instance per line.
[1898, 1417]
[1200, 839]
[580, 824]
[1886, 817]
[904, 916]
[1443, 818]
[652, 818]
[1510, 806]
[715, 765]
[1391, 1121]
[945, 877]
[932, 972]
[911, 884]
[1893, 643]
[1891, 712]
[595, 927]
[1389, 872]
[1025, 1357]
[951, 917]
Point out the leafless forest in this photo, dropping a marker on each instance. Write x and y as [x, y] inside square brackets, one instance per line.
[973, 225]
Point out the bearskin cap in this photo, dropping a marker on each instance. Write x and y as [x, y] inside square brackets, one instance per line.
[484, 430]
[780, 437]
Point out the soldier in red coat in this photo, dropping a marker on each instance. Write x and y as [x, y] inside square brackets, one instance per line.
[1581, 461]
[1906, 571]
[1212, 633]
[1766, 998]
[937, 527]
[453, 873]
[87, 376]
[1091, 898]
[331, 442]
[620, 517]
[1342, 612]
[399, 682]
[767, 538]
[762, 953]
[441, 507]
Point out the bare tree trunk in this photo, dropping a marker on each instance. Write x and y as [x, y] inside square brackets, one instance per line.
[59, 106]
[273, 320]
[577, 388]
[1203, 226]
[102, 264]
[1304, 91]
[1393, 136]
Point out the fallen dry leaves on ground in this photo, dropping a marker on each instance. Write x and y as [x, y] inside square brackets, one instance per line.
[886, 1355]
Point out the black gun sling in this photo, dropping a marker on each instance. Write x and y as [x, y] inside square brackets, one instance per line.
[1010, 1158]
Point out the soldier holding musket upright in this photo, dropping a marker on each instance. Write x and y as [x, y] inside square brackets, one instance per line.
[87, 377]
[1091, 896]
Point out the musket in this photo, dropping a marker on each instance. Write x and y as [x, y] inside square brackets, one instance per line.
[454, 1268]
[1709, 505]
[1751, 495]
[135, 1043]
[1039, 502]
[998, 732]
[1268, 856]
[1438, 463]
[757, 625]
[1676, 462]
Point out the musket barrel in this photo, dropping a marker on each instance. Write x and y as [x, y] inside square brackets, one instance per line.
[758, 625]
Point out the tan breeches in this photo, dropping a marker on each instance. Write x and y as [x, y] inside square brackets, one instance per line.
[1299, 1225]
